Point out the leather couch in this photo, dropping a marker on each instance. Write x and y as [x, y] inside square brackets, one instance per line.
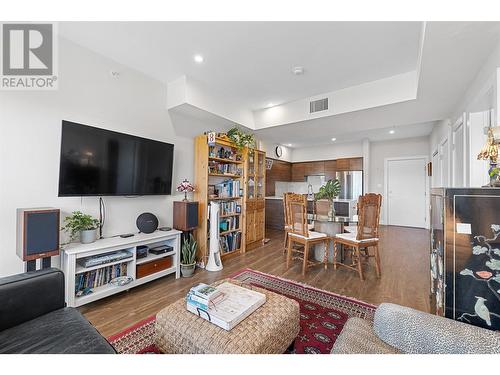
[34, 319]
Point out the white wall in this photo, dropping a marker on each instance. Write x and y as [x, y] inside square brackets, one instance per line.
[30, 127]
[328, 152]
[269, 147]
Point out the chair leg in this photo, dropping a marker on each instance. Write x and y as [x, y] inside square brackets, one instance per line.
[335, 252]
[306, 258]
[377, 260]
[325, 258]
[289, 253]
[286, 242]
[360, 269]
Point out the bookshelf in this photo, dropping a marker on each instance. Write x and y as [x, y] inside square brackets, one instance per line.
[219, 176]
[255, 173]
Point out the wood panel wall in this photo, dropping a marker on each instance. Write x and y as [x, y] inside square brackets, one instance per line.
[281, 171]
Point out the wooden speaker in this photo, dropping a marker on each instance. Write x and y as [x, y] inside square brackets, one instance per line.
[185, 216]
[37, 233]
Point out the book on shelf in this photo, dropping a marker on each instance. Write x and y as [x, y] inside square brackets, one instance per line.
[216, 167]
[229, 189]
[229, 223]
[230, 242]
[237, 304]
[229, 208]
[99, 277]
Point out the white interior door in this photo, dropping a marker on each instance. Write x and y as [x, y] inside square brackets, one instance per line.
[406, 192]
[476, 137]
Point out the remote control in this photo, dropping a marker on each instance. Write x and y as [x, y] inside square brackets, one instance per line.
[127, 235]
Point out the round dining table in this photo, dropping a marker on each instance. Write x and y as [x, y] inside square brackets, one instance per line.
[330, 226]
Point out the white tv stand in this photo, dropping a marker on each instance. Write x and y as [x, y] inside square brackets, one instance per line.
[74, 251]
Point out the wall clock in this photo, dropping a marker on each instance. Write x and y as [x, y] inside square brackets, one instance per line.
[278, 151]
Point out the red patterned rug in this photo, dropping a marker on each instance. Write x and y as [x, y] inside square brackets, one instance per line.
[322, 316]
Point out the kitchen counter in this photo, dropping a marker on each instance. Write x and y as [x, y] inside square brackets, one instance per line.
[310, 199]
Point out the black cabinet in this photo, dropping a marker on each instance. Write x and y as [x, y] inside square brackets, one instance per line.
[465, 255]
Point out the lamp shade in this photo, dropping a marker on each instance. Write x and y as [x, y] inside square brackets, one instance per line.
[185, 187]
[489, 150]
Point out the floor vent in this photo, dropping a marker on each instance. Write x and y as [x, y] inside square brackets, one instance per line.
[318, 105]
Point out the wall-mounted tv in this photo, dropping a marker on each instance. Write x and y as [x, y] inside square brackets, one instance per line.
[98, 162]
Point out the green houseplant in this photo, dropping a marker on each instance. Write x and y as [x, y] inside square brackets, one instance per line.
[329, 191]
[241, 139]
[79, 223]
[188, 256]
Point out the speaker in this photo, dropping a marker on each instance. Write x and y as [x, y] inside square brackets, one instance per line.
[185, 216]
[37, 233]
[147, 222]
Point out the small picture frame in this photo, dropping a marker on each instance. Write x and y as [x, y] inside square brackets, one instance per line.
[211, 190]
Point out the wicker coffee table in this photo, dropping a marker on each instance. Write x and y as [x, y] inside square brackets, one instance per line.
[270, 329]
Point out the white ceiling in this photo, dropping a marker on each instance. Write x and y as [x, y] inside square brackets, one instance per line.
[252, 61]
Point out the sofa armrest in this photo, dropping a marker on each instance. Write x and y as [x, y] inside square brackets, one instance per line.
[29, 295]
[416, 332]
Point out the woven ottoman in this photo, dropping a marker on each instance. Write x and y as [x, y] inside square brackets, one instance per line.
[270, 329]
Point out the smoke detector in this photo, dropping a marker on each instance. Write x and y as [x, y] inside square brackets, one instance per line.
[114, 74]
[298, 70]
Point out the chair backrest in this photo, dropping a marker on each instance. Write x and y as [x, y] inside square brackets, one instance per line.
[368, 215]
[297, 214]
[285, 208]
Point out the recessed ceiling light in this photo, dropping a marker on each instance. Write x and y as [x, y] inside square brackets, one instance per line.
[392, 131]
[288, 144]
[298, 70]
[269, 105]
[334, 139]
[198, 58]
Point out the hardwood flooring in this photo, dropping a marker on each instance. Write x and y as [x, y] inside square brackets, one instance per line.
[405, 279]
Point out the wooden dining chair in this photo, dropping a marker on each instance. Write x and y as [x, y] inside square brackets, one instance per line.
[291, 197]
[299, 234]
[365, 238]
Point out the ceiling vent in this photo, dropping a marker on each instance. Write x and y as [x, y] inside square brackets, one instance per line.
[318, 105]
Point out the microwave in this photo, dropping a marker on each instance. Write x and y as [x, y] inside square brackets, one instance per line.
[346, 208]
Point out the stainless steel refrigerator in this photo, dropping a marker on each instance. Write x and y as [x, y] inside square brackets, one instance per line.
[351, 184]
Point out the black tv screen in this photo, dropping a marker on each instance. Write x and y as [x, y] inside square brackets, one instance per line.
[98, 162]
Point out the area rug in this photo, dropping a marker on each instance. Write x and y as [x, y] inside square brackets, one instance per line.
[322, 316]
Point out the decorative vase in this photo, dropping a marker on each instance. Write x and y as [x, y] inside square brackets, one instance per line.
[187, 270]
[331, 212]
[88, 236]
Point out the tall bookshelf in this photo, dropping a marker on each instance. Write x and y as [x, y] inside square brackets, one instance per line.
[219, 176]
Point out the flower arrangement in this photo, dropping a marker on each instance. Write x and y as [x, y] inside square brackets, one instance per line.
[185, 187]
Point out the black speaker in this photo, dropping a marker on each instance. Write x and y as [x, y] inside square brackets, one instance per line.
[185, 215]
[147, 222]
[37, 233]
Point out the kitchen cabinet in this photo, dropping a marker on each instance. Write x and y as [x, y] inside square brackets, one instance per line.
[349, 164]
[298, 172]
[330, 169]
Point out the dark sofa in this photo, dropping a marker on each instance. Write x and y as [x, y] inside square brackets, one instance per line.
[34, 319]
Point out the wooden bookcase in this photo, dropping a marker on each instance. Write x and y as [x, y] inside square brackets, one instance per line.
[255, 191]
[212, 169]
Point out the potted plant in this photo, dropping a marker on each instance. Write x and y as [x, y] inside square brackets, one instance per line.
[85, 225]
[188, 256]
[241, 139]
[329, 191]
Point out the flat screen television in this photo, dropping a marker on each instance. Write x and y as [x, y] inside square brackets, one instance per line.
[98, 162]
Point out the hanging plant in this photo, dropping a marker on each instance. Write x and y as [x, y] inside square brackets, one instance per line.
[241, 139]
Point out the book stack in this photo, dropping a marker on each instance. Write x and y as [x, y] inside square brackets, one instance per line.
[99, 277]
[229, 189]
[227, 208]
[227, 311]
[204, 296]
[230, 242]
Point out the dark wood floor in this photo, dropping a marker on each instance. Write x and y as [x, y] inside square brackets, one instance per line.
[405, 279]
